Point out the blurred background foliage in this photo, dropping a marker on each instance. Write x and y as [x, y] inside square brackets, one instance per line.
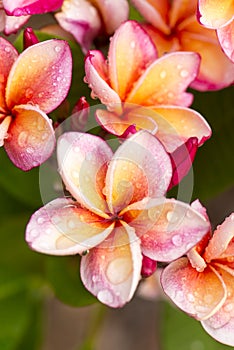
[27, 278]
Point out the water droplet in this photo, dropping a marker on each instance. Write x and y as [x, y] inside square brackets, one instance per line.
[7, 49]
[172, 216]
[34, 233]
[28, 93]
[163, 74]
[132, 44]
[41, 94]
[54, 84]
[119, 270]
[22, 138]
[177, 240]
[184, 73]
[40, 220]
[95, 278]
[57, 48]
[228, 307]
[105, 296]
[190, 297]
[170, 94]
[71, 224]
[29, 150]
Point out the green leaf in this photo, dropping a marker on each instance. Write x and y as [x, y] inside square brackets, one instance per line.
[63, 275]
[213, 166]
[179, 331]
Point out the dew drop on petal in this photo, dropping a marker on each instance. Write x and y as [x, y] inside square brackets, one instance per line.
[105, 296]
[177, 240]
[163, 74]
[40, 220]
[57, 48]
[184, 73]
[190, 297]
[34, 233]
[172, 216]
[71, 224]
[28, 92]
[228, 307]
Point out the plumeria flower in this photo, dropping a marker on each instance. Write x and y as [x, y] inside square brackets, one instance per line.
[134, 76]
[87, 19]
[14, 14]
[118, 213]
[32, 84]
[219, 15]
[173, 26]
[202, 284]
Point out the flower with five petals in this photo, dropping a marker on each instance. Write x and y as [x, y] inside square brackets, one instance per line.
[118, 212]
[32, 84]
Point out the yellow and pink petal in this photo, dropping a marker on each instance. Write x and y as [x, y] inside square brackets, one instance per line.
[200, 294]
[112, 270]
[8, 56]
[41, 76]
[30, 140]
[165, 80]
[82, 160]
[226, 39]
[215, 13]
[167, 228]
[131, 51]
[62, 227]
[139, 168]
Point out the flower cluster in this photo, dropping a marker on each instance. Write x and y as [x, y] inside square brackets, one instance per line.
[116, 212]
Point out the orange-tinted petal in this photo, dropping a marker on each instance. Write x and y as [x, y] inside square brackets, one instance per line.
[82, 160]
[131, 52]
[155, 12]
[220, 325]
[180, 10]
[215, 13]
[200, 294]
[165, 80]
[226, 39]
[221, 244]
[63, 228]
[139, 168]
[31, 139]
[167, 228]
[41, 75]
[177, 124]
[216, 70]
[141, 117]
[8, 55]
[4, 126]
[111, 271]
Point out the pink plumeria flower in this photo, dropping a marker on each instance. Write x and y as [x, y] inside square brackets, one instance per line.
[14, 14]
[219, 15]
[118, 213]
[202, 284]
[87, 19]
[173, 26]
[134, 76]
[32, 84]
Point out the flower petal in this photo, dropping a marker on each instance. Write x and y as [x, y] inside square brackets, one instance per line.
[155, 12]
[141, 117]
[178, 124]
[8, 55]
[13, 23]
[139, 168]
[200, 294]
[214, 14]
[63, 228]
[82, 160]
[41, 75]
[216, 70]
[181, 10]
[113, 13]
[31, 139]
[96, 77]
[226, 39]
[131, 52]
[30, 7]
[81, 19]
[220, 325]
[4, 126]
[111, 271]
[218, 246]
[165, 80]
[167, 228]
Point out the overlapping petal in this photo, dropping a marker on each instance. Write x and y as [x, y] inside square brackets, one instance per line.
[201, 295]
[226, 39]
[30, 140]
[30, 7]
[125, 69]
[111, 271]
[37, 75]
[174, 72]
[215, 13]
[82, 160]
[12, 23]
[63, 228]
[167, 228]
[139, 168]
